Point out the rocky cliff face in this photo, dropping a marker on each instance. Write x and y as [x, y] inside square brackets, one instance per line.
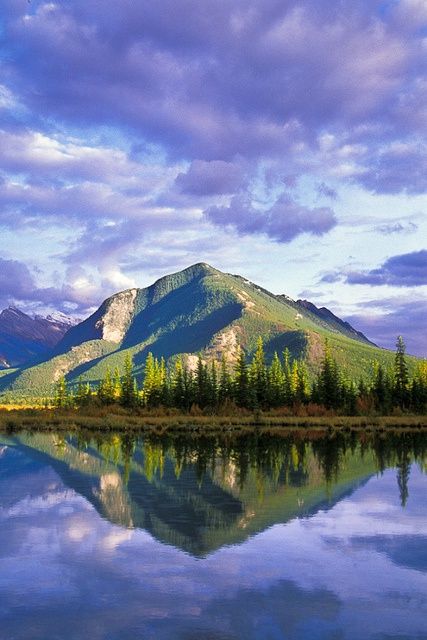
[119, 311]
[23, 338]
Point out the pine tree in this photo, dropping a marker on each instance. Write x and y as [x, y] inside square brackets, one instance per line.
[288, 397]
[178, 391]
[329, 381]
[117, 384]
[381, 389]
[61, 397]
[241, 382]
[165, 387]
[225, 384]
[258, 375]
[83, 393]
[213, 386]
[302, 387]
[201, 384]
[105, 390]
[129, 389]
[150, 381]
[276, 380]
[419, 388]
[401, 378]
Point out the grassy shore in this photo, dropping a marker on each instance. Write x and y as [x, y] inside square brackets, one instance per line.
[114, 420]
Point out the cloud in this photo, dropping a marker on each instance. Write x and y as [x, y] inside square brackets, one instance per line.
[210, 178]
[397, 227]
[15, 279]
[326, 191]
[216, 81]
[406, 270]
[383, 321]
[18, 285]
[122, 122]
[283, 222]
[401, 166]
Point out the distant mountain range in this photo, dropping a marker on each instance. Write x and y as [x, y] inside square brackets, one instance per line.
[199, 310]
[24, 338]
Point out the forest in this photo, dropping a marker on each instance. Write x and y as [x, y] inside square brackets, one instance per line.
[255, 386]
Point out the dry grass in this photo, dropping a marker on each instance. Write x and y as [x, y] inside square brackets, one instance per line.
[116, 418]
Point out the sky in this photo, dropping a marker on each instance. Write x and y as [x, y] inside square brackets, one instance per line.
[283, 140]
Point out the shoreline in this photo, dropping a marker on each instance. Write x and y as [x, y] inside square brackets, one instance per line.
[48, 420]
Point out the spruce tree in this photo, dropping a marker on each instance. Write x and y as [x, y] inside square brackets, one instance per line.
[288, 397]
[105, 390]
[401, 378]
[225, 384]
[241, 381]
[329, 381]
[129, 389]
[83, 393]
[276, 380]
[258, 375]
[149, 390]
[62, 396]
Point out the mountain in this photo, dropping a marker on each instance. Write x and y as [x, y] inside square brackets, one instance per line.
[24, 338]
[331, 320]
[197, 310]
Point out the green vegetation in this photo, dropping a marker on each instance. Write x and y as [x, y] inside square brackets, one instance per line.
[256, 386]
[198, 311]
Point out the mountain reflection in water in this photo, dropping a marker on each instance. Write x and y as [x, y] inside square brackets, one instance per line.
[199, 494]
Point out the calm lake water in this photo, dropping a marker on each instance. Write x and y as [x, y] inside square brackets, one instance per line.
[261, 537]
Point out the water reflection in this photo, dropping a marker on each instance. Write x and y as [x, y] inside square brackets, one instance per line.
[304, 536]
[201, 493]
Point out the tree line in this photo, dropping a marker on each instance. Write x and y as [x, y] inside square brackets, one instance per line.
[255, 386]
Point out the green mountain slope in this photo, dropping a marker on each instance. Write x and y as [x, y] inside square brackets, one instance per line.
[197, 310]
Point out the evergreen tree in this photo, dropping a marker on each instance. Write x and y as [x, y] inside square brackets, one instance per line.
[165, 387]
[241, 382]
[301, 389]
[419, 388]
[105, 391]
[178, 391]
[225, 383]
[401, 378]
[61, 397]
[129, 389]
[83, 393]
[150, 381]
[117, 385]
[258, 375]
[213, 386]
[288, 397]
[276, 381]
[201, 384]
[380, 389]
[329, 381]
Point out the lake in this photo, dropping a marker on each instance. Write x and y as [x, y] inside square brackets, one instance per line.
[306, 535]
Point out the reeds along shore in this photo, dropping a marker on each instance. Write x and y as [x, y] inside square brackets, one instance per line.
[116, 418]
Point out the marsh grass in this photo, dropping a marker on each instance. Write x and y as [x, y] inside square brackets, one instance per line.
[117, 418]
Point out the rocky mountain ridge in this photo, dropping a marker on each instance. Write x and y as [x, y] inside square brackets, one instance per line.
[197, 311]
[24, 338]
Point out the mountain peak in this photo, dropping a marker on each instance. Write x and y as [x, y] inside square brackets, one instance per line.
[197, 269]
[24, 338]
[198, 310]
